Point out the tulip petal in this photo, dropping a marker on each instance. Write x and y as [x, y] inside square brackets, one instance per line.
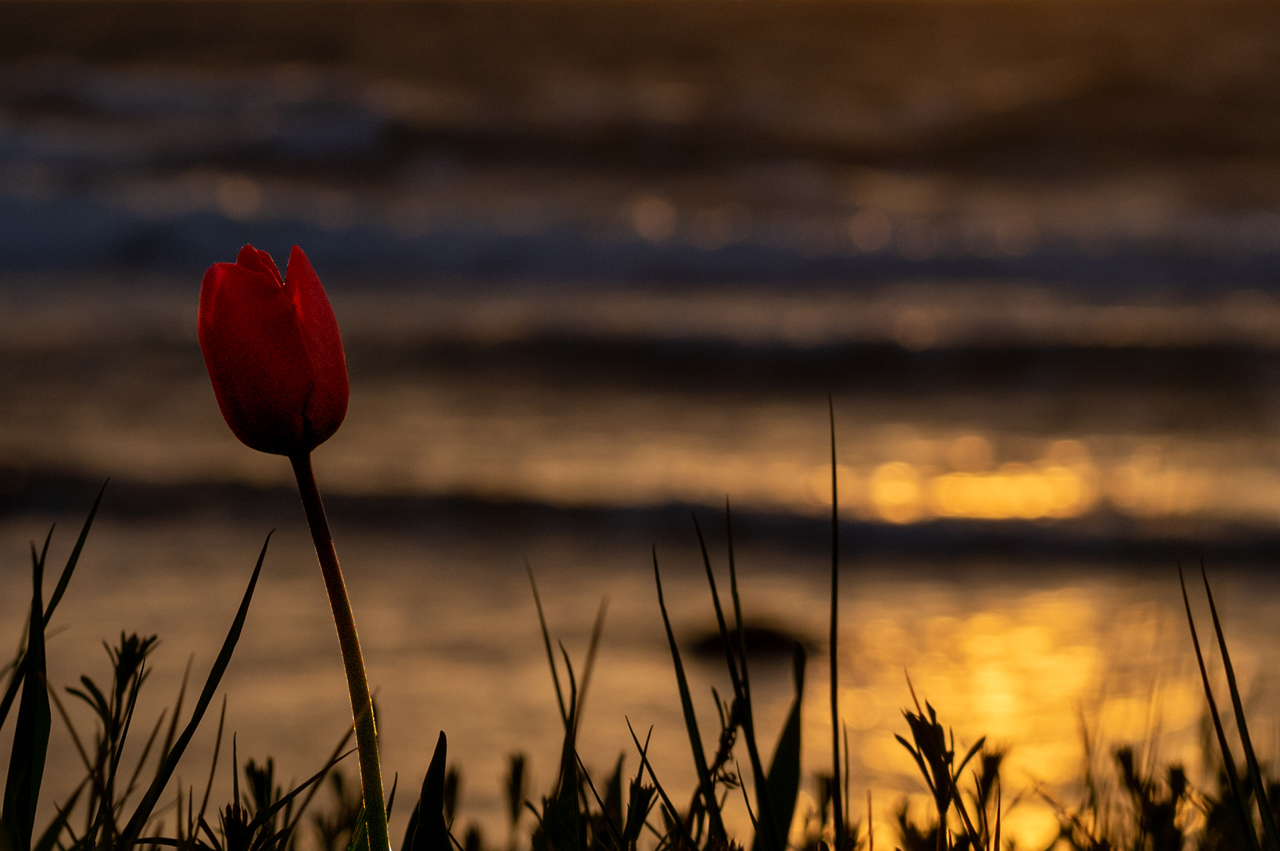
[258, 361]
[258, 261]
[327, 405]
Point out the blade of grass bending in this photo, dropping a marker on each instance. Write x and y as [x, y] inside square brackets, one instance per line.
[60, 588]
[833, 639]
[1228, 761]
[20, 664]
[265, 816]
[690, 719]
[31, 731]
[339, 753]
[739, 678]
[783, 783]
[746, 799]
[142, 757]
[213, 764]
[597, 630]
[49, 839]
[177, 711]
[604, 810]
[564, 824]
[955, 790]
[662, 793]
[56, 702]
[1255, 772]
[546, 640]
[920, 763]
[142, 813]
[731, 661]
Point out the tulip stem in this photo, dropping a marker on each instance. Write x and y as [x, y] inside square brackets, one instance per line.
[352, 659]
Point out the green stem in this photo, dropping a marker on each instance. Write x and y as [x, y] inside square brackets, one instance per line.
[352, 659]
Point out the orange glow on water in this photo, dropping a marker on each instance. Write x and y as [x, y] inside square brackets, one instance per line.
[1060, 485]
[1026, 673]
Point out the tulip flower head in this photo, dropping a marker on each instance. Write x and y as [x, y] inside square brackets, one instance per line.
[273, 351]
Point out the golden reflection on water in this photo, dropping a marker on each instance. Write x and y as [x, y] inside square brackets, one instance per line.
[1030, 674]
[1060, 484]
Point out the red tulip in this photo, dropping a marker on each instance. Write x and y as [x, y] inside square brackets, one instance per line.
[273, 351]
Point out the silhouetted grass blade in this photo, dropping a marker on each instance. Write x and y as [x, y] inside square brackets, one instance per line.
[145, 806]
[19, 664]
[735, 652]
[49, 839]
[837, 804]
[6, 702]
[1251, 760]
[427, 830]
[31, 731]
[546, 640]
[783, 784]
[1228, 760]
[690, 719]
[72, 560]
[611, 804]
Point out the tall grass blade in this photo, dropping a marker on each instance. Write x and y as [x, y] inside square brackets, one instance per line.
[19, 664]
[588, 668]
[1242, 728]
[1228, 760]
[739, 677]
[546, 640]
[133, 829]
[834, 639]
[783, 783]
[65, 578]
[172, 729]
[31, 731]
[731, 661]
[60, 588]
[610, 809]
[564, 822]
[213, 764]
[690, 719]
[768, 817]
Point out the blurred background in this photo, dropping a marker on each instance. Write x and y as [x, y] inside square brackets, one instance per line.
[599, 263]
